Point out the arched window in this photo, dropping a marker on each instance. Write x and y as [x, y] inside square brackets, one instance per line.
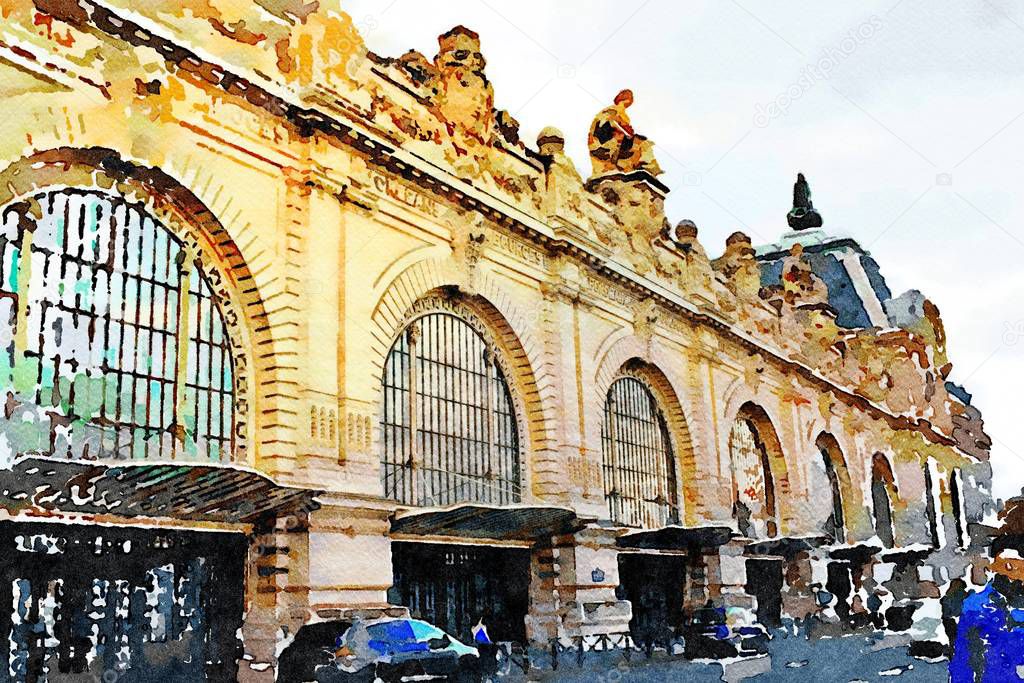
[882, 487]
[754, 506]
[113, 343]
[449, 426]
[638, 465]
[825, 488]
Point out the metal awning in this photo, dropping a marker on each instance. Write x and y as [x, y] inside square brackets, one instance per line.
[184, 491]
[860, 552]
[676, 538]
[496, 523]
[907, 554]
[786, 546]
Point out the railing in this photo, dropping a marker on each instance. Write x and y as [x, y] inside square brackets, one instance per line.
[607, 648]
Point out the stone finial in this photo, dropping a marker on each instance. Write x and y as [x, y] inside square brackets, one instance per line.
[686, 232]
[802, 216]
[550, 141]
[739, 241]
[614, 146]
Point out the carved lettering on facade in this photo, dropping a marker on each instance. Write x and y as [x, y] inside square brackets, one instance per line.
[602, 288]
[515, 247]
[400, 192]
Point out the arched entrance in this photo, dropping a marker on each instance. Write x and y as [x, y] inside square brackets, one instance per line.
[638, 463]
[753, 446]
[883, 492]
[828, 485]
[115, 350]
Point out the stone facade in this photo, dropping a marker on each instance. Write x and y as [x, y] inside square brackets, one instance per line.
[335, 196]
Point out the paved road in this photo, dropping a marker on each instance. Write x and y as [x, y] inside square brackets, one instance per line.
[791, 659]
[850, 658]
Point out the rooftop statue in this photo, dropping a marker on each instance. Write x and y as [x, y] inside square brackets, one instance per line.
[614, 146]
[802, 215]
[466, 97]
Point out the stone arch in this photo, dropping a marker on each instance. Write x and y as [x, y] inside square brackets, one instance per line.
[846, 507]
[181, 212]
[775, 471]
[429, 284]
[682, 467]
[652, 359]
[884, 499]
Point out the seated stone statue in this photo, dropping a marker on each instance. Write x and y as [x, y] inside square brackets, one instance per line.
[614, 146]
[802, 215]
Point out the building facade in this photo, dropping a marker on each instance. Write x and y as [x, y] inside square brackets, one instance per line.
[296, 332]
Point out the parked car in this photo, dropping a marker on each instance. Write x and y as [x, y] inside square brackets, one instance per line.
[391, 650]
[707, 634]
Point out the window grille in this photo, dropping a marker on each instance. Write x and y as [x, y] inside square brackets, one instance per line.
[835, 525]
[113, 342]
[448, 430]
[752, 478]
[638, 465]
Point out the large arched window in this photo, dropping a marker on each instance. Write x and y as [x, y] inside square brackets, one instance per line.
[825, 488]
[449, 426]
[883, 487]
[112, 343]
[754, 503]
[638, 465]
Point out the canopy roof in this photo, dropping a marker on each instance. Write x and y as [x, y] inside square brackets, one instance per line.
[186, 491]
[498, 523]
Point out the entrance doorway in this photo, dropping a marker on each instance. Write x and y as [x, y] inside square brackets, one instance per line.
[764, 583]
[454, 586]
[129, 603]
[655, 586]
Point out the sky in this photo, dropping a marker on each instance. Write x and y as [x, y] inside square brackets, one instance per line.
[906, 116]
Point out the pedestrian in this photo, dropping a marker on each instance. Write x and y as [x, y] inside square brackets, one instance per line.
[989, 645]
[952, 604]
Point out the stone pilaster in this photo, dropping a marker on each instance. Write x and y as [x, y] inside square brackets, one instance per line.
[726, 568]
[276, 604]
[351, 554]
[572, 589]
[798, 599]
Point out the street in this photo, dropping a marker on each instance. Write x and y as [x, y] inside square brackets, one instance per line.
[849, 659]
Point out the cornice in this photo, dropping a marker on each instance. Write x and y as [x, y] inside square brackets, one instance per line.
[387, 154]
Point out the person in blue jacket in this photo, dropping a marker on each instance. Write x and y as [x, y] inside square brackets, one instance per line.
[989, 646]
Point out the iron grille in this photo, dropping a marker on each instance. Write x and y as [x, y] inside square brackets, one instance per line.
[638, 465]
[114, 343]
[835, 526]
[754, 488]
[449, 430]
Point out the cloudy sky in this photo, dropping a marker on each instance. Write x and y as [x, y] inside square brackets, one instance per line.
[906, 116]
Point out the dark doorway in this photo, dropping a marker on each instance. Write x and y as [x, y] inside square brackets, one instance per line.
[138, 604]
[453, 586]
[655, 586]
[764, 583]
[839, 583]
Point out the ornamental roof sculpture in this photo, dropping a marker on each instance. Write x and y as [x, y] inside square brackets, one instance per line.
[614, 146]
[285, 65]
[802, 216]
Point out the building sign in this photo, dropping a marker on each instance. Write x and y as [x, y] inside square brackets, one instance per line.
[402, 193]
